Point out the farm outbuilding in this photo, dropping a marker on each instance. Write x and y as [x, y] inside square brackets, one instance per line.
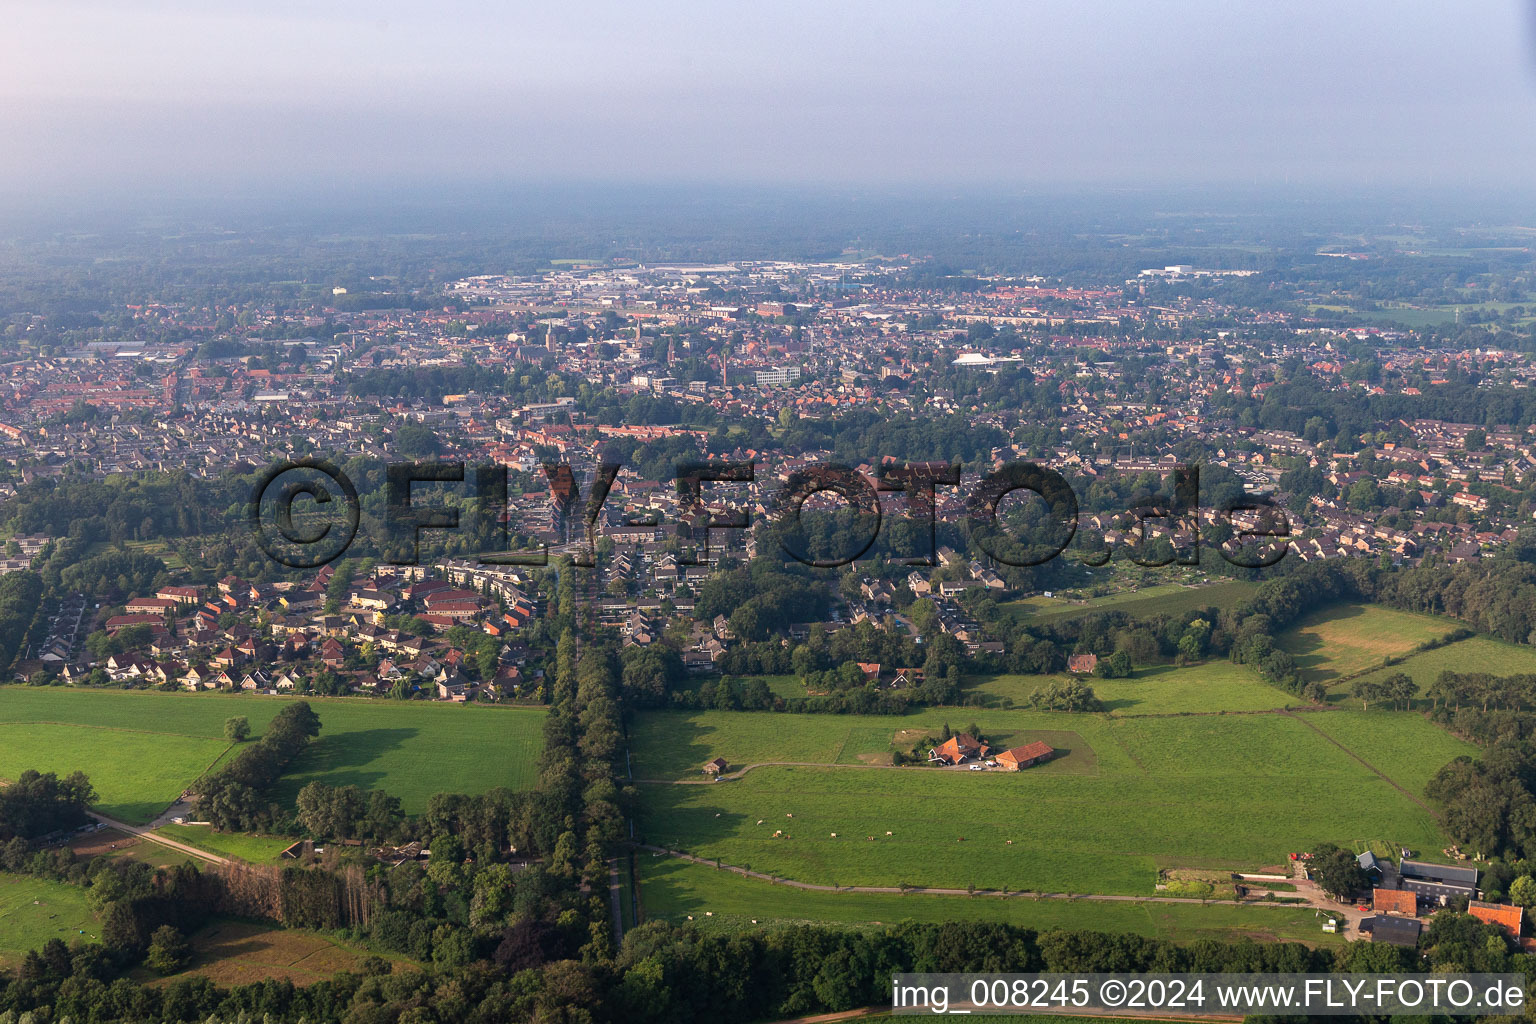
[1023, 757]
[715, 766]
[1396, 931]
[1395, 901]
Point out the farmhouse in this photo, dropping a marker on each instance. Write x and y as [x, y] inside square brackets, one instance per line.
[1024, 757]
[957, 749]
[1082, 664]
[715, 766]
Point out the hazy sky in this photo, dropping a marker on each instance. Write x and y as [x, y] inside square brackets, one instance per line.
[239, 94]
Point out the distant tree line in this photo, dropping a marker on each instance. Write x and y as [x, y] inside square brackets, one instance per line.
[676, 975]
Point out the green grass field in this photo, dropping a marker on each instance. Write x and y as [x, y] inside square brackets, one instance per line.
[1159, 689]
[142, 748]
[253, 848]
[1475, 654]
[136, 774]
[34, 910]
[1395, 743]
[722, 901]
[1133, 795]
[1347, 638]
[1163, 599]
[674, 745]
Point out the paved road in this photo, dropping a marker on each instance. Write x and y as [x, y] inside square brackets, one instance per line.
[148, 833]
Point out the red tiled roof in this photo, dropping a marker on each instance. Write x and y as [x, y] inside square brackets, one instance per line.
[1495, 913]
[1028, 752]
[1394, 901]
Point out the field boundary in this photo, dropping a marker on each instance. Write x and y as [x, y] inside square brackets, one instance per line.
[1373, 769]
[918, 890]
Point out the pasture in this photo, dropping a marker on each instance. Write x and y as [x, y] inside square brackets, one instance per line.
[249, 847]
[142, 748]
[137, 774]
[1220, 791]
[1395, 743]
[673, 889]
[1214, 685]
[670, 745]
[1475, 654]
[1344, 639]
[34, 910]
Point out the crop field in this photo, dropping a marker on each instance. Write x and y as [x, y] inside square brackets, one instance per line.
[1475, 654]
[721, 901]
[1159, 689]
[1344, 639]
[141, 749]
[34, 910]
[1163, 599]
[1222, 791]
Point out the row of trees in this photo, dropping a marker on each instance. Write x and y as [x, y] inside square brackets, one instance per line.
[232, 798]
[1484, 690]
[1398, 688]
[676, 975]
[21, 593]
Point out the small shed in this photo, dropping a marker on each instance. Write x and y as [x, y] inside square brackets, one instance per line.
[715, 766]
